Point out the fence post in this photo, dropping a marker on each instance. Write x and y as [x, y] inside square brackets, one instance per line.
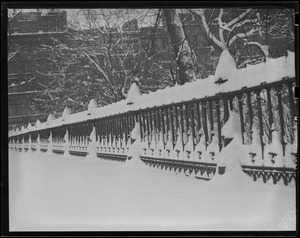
[176, 123]
[163, 124]
[204, 117]
[172, 124]
[281, 118]
[186, 110]
[219, 123]
[182, 126]
[38, 143]
[211, 116]
[261, 130]
[270, 113]
[141, 125]
[193, 125]
[29, 144]
[240, 102]
[249, 105]
[292, 107]
[66, 143]
[92, 145]
[146, 133]
[148, 129]
[226, 109]
[198, 116]
[50, 143]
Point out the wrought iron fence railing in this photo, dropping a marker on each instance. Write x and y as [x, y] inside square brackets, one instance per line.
[186, 137]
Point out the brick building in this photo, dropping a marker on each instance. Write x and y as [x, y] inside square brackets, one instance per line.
[26, 32]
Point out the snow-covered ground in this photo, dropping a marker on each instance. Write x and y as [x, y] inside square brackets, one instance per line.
[53, 193]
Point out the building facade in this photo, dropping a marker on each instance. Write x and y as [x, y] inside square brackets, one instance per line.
[27, 31]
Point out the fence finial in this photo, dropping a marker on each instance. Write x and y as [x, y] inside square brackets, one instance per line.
[29, 126]
[134, 92]
[37, 123]
[66, 112]
[50, 118]
[92, 105]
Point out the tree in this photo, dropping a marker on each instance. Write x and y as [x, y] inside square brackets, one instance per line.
[245, 32]
[224, 27]
[278, 29]
[11, 52]
[98, 60]
[184, 56]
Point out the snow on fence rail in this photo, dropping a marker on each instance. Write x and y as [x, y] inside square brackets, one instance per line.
[185, 136]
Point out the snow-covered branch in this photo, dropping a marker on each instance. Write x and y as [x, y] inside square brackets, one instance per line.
[243, 35]
[230, 28]
[201, 14]
[221, 24]
[264, 48]
[241, 16]
[12, 55]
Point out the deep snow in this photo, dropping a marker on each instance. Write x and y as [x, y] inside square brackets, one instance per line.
[54, 193]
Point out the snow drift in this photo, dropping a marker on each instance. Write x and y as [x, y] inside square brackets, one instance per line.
[57, 194]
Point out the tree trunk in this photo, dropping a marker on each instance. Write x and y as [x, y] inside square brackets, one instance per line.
[181, 47]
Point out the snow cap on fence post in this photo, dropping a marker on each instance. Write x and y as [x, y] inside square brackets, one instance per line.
[22, 143]
[66, 113]
[92, 106]
[232, 127]
[50, 118]
[29, 127]
[29, 144]
[38, 144]
[92, 145]
[66, 144]
[37, 123]
[225, 68]
[136, 132]
[50, 137]
[134, 92]
[135, 149]
[50, 143]
[232, 154]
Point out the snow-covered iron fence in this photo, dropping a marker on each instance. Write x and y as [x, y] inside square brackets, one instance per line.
[113, 136]
[34, 143]
[25, 142]
[57, 142]
[190, 132]
[44, 135]
[186, 137]
[78, 137]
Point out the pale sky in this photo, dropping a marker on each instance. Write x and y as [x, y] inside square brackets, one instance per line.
[113, 17]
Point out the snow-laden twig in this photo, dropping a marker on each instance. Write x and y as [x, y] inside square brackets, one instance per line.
[12, 55]
[200, 13]
[243, 35]
[238, 18]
